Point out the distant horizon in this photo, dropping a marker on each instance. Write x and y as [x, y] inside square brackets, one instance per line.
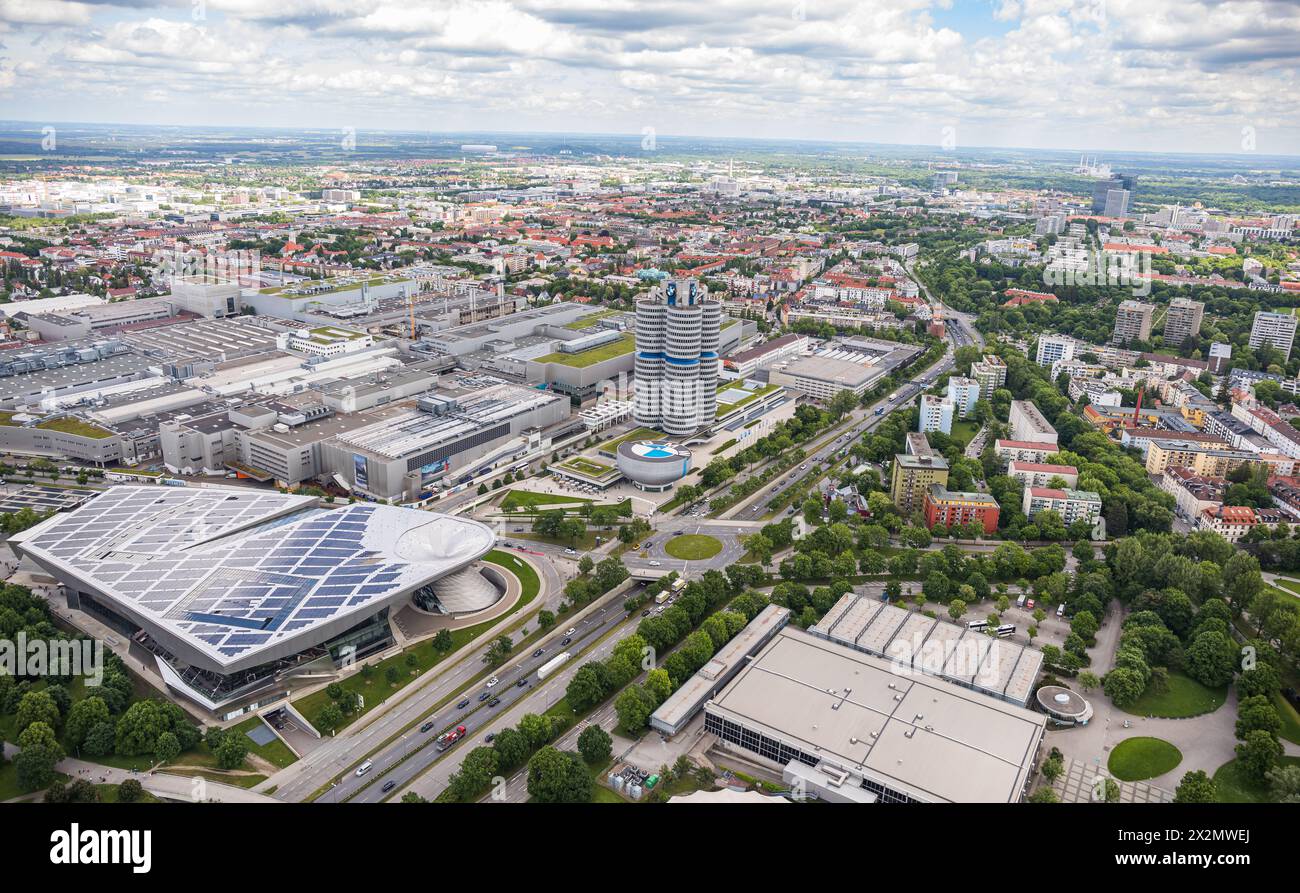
[1137, 76]
[1097, 154]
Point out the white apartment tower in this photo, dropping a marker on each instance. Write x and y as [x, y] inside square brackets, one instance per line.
[1274, 329]
[677, 335]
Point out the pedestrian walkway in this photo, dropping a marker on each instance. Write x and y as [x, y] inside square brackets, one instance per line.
[1080, 779]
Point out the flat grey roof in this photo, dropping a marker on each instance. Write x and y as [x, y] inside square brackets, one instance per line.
[914, 733]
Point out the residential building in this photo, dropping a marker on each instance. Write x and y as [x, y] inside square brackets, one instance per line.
[1183, 321]
[951, 507]
[963, 394]
[1071, 505]
[1027, 423]
[990, 373]
[1040, 474]
[913, 476]
[1162, 454]
[1055, 347]
[1023, 450]
[1132, 322]
[1277, 330]
[936, 414]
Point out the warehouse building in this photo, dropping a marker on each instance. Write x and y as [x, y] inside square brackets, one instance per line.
[847, 726]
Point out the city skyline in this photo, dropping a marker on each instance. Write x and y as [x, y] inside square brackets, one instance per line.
[1108, 75]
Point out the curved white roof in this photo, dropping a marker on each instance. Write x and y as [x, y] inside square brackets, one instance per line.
[239, 577]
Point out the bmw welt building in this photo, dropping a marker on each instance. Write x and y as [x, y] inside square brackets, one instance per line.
[235, 591]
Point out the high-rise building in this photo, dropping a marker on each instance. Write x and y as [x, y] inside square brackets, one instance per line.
[912, 477]
[1111, 198]
[962, 393]
[991, 373]
[1055, 347]
[936, 414]
[1183, 321]
[1274, 329]
[1132, 322]
[677, 336]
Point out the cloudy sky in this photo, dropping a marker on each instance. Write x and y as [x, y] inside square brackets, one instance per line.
[1160, 75]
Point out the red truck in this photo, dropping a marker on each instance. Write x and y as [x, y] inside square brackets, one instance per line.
[451, 737]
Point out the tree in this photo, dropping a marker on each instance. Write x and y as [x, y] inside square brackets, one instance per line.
[1212, 658]
[442, 642]
[1088, 680]
[139, 727]
[512, 749]
[99, 740]
[537, 729]
[956, 608]
[1043, 795]
[36, 706]
[556, 776]
[595, 744]
[166, 748]
[1196, 787]
[545, 619]
[1258, 753]
[329, 719]
[1257, 712]
[1284, 783]
[634, 706]
[1123, 686]
[476, 772]
[40, 753]
[130, 791]
[83, 717]
[585, 564]
[232, 750]
[588, 687]
[498, 652]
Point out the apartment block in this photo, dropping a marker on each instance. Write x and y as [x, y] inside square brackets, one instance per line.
[990, 373]
[1027, 423]
[1183, 321]
[1277, 330]
[1132, 322]
[913, 476]
[1039, 474]
[963, 393]
[950, 508]
[936, 414]
[1071, 505]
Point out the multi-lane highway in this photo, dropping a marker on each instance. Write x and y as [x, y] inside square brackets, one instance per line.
[406, 758]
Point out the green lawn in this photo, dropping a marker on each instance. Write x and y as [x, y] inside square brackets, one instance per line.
[1291, 586]
[1234, 786]
[964, 432]
[528, 499]
[584, 543]
[1185, 697]
[1136, 759]
[1290, 718]
[693, 546]
[277, 752]
[375, 689]
[68, 425]
[583, 359]
[586, 466]
[611, 445]
[108, 794]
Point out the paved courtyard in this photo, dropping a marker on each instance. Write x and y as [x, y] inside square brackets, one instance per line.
[1076, 784]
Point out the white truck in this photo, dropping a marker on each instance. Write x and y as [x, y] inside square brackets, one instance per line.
[552, 665]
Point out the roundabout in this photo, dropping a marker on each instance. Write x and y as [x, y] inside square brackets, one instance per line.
[693, 546]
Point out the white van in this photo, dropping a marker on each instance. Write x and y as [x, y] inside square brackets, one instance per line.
[364, 768]
[1020, 602]
[1060, 609]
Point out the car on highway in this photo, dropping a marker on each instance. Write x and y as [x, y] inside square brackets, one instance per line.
[491, 736]
[364, 768]
[426, 727]
[566, 641]
[571, 630]
[463, 704]
[494, 702]
[539, 652]
[483, 697]
[522, 682]
[388, 786]
[570, 552]
[493, 681]
[656, 564]
[645, 613]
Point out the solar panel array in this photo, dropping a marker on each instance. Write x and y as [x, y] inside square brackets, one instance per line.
[234, 571]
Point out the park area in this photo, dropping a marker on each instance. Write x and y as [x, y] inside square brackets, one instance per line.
[1182, 697]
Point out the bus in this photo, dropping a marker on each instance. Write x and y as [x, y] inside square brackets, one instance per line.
[1008, 629]
[678, 585]
[977, 625]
